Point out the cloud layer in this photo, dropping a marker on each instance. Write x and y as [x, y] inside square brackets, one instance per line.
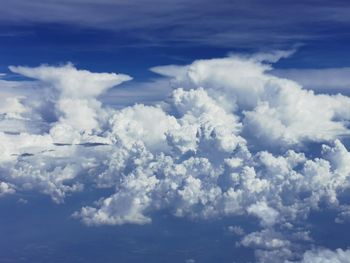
[231, 140]
[194, 22]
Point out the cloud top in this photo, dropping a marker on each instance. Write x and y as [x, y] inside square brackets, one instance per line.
[71, 82]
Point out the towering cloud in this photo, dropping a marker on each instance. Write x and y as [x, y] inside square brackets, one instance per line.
[275, 110]
[232, 140]
[76, 92]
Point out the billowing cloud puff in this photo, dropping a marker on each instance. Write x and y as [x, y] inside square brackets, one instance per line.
[326, 256]
[5, 189]
[140, 123]
[275, 110]
[11, 106]
[71, 82]
[267, 214]
[77, 90]
[231, 140]
[203, 121]
[265, 239]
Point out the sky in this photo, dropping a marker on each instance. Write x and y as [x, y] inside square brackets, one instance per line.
[174, 131]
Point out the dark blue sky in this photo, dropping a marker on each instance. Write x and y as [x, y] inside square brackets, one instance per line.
[131, 37]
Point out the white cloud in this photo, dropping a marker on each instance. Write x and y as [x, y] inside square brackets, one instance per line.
[71, 82]
[118, 209]
[227, 143]
[265, 239]
[11, 107]
[237, 230]
[76, 103]
[275, 110]
[13, 145]
[326, 256]
[147, 124]
[5, 189]
[203, 121]
[267, 214]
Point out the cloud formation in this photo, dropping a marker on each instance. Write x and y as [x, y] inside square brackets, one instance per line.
[326, 256]
[276, 110]
[194, 22]
[231, 140]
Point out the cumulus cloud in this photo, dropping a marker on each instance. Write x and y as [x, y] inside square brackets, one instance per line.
[5, 189]
[71, 82]
[326, 256]
[261, 210]
[77, 90]
[275, 110]
[237, 230]
[265, 239]
[231, 140]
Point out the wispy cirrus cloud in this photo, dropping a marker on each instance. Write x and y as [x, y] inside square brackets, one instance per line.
[319, 79]
[223, 23]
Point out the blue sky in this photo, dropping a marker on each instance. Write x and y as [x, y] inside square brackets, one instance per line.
[174, 131]
[119, 35]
